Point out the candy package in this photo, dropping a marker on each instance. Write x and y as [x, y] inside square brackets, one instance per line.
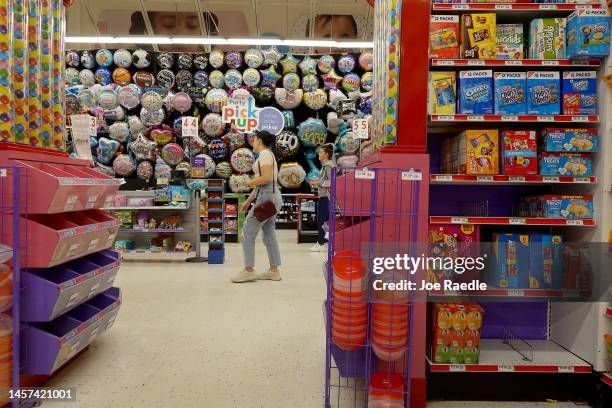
[442, 88]
[444, 37]
[478, 35]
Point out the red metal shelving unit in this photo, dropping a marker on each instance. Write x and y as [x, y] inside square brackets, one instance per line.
[463, 179]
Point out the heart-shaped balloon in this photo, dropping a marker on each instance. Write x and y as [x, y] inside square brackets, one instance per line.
[143, 148]
[107, 149]
[162, 136]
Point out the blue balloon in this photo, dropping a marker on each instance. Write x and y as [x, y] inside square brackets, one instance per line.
[103, 76]
[289, 118]
[312, 132]
[314, 173]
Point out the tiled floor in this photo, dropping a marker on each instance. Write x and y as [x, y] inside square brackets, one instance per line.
[186, 337]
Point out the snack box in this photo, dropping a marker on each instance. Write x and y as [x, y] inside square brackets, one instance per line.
[510, 42]
[510, 261]
[476, 92]
[579, 93]
[126, 218]
[588, 33]
[442, 93]
[546, 262]
[478, 35]
[543, 93]
[547, 38]
[478, 152]
[444, 37]
[455, 329]
[453, 240]
[568, 206]
[519, 152]
[570, 140]
[510, 93]
[566, 164]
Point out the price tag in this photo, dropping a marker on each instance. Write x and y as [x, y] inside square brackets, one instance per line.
[547, 118]
[459, 7]
[476, 62]
[553, 63]
[459, 220]
[412, 175]
[580, 118]
[445, 62]
[361, 129]
[509, 118]
[456, 368]
[2, 172]
[503, 7]
[189, 126]
[566, 369]
[575, 222]
[93, 126]
[548, 7]
[518, 221]
[548, 179]
[582, 180]
[445, 118]
[505, 368]
[516, 179]
[92, 244]
[513, 62]
[484, 178]
[365, 174]
[475, 118]
[516, 292]
[443, 177]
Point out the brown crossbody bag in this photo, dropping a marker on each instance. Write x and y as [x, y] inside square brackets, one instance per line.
[266, 209]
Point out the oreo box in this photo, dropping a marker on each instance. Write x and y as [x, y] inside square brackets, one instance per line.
[570, 140]
[543, 93]
[588, 33]
[566, 164]
[476, 92]
[510, 93]
[568, 206]
[579, 93]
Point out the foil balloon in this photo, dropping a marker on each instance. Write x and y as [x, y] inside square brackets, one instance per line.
[334, 124]
[216, 59]
[347, 109]
[200, 61]
[239, 183]
[72, 76]
[185, 167]
[124, 165]
[242, 160]
[288, 100]
[72, 58]
[313, 173]
[143, 79]
[213, 125]
[234, 139]
[312, 132]
[152, 118]
[73, 105]
[143, 148]
[162, 169]
[240, 93]
[135, 124]
[223, 170]
[194, 146]
[217, 149]
[184, 80]
[87, 77]
[209, 165]
[88, 59]
[233, 59]
[87, 99]
[263, 94]
[182, 102]
[316, 99]
[331, 79]
[108, 99]
[177, 127]
[289, 118]
[289, 63]
[253, 58]
[366, 61]
[129, 96]
[184, 61]
[141, 59]
[168, 100]
[172, 154]
[216, 79]
[233, 79]
[335, 96]
[215, 100]
[326, 63]
[346, 63]
[119, 131]
[347, 161]
[351, 82]
[308, 66]
[200, 79]
[291, 81]
[151, 101]
[165, 60]
[287, 144]
[291, 175]
[367, 80]
[166, 78]
[122, 58]
[251, 77]
[104, 57]
[269, 76]
[144, 170]
[310, 83]
[108, 170]
[347, 144]
[365, 103]
[162, 136]
[103, 76]
[107, 149]
[118, 113]
[271, 56]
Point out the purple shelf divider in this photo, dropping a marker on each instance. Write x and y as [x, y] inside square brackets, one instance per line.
[528, 320]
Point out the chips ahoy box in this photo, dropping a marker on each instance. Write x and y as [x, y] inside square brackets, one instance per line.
[567, 206]
[476, 92]
[566, 164]
[444, 37]
[570, 140]
[442, 88]
[546, 263]
[510, 261]
[588, 33]
[520, 152]
[543, 93]
[580, 93]
[510, 93]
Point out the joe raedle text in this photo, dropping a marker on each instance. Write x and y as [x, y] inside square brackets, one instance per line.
[424, 285]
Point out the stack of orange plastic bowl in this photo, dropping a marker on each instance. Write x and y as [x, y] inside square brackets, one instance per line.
[386, 391]
[349, 322]
[6, 356]
[6, 287]
[389, 330]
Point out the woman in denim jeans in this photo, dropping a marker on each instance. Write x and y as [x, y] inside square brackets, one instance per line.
[266, 170]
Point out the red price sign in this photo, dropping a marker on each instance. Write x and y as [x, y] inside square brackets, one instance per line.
[361, 129]
[189, 126]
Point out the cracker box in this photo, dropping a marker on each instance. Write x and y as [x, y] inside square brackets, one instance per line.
[588, 33]
[442, 93]
[510, 93]
[579, 93]
[444, 37]
[543, 93]
[478, 35]
[546, 263]
[547, 38]
[519, 152]
[510, 42]
[478, 152]
[453, 240]
[510, 261]
[476, 92]
[567, 206]
[566, 164]
[570, 140]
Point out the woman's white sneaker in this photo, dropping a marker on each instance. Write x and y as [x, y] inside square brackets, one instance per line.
[244, 276]
[269, 275]
[318, 248]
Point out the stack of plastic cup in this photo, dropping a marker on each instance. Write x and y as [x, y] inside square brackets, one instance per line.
[386, 390]
[6, 356]
[389, 330]
[349, 319]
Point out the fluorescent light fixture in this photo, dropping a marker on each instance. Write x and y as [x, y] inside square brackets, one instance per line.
[310, 43]
[198, 40]
[143, 40]
[355, 44]
[85, 40]
[254, 41]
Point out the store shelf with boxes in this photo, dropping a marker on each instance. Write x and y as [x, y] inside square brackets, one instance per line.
[216, 221]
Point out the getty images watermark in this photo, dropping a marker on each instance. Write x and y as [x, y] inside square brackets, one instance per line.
[393, 269]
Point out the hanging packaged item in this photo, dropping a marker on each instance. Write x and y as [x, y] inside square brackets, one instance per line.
[444, 37]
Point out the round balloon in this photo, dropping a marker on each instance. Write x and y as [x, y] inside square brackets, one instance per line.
[347, 144]
[119, 131]
[213, 125]
[88, 60]
[103, 76]
[122, 58]
[129, 96]
[233, 78]
[240, 93]
[144, 171]
[182, 102]
[216, 58]
[346, 63]
[233, 59]
[162, 169]
[165, 60]
[216, 79]
[251, 77]
[88, 99]
[351, 82]
[367, 81]
[108, 99]
[253, 58]
[223, 170]
[87, 77]
[121, 76]
[215, 100]
[291, 81]
[200, 61]
[166, 78]
[288, 100]
[291, 175]
[312, 132]
[209, 165]
[172, 154]
[184, 80]
[200, 79]
[185, 61]
[151, 101]
[152, 118]
[310, 83]
[217, 149]
[144, 79]
[72, 76]
[242, 160]
[141, 59]
[287, 144]
[124, 165]
[347, 161]
[104, 57]
[239, 183]
[326, 63]
[316, 99]
[366, 61]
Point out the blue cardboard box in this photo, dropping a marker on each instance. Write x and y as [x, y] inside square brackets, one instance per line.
[476, 92]
[579, 93]
[511, 93]
[567, 206]
[545, 261]
[510, 261]
[566, 164]
[588, 33]
[570, 140]
[543, 93]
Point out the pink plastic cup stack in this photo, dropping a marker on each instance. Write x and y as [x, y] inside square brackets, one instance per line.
[389, 330]
[386, 390]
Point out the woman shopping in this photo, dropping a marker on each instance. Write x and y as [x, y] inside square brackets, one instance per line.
[326, 154]
[262, 216]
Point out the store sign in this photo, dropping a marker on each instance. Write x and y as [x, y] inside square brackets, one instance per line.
[82, 127]
[189, 126]
[271, 120]
[247, 117]
[361, 129]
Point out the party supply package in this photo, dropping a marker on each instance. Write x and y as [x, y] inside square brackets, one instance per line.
[510, 42]
[519, 152]
[543, 93]
[444, 37]
[478, 152]
[442, 93]
[566, 164]
[570, 140]
[476, 92]
[588, 33]
[579, 93]
[478, 33]
[547, 38]
[510, 93]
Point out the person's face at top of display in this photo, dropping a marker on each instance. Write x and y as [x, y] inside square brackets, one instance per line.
[257, 145]
[339, 28]
[323, 155]
[176, 24]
